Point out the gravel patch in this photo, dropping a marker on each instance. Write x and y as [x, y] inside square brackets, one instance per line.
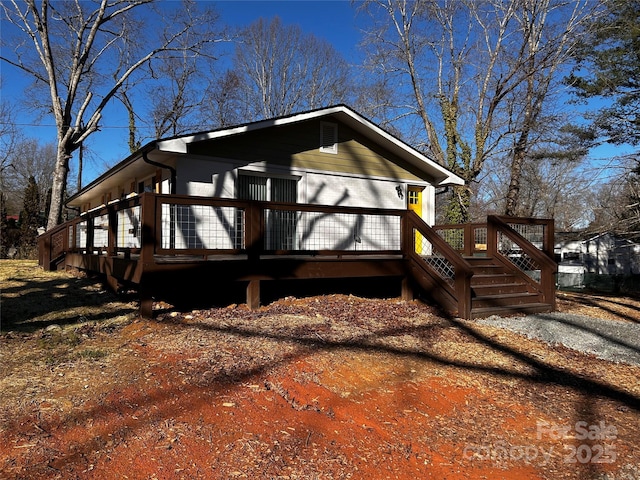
[611, 340]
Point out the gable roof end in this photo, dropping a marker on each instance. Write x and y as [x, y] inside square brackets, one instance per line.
[441, 175]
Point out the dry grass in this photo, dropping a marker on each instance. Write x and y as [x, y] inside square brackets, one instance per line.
[49, 321]
[33, 299]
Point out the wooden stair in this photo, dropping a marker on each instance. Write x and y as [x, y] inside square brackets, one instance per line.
[497, 291]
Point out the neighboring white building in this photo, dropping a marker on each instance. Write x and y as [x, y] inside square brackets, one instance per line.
[604, 254]
[607, 254]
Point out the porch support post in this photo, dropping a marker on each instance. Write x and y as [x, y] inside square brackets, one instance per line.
[112, 233]
[146, 300]
[463, 294]
[90, 228]
[492, 237]
[253, 294]
[111, 282]
[44, 250]
[254, 230]
[148, 230]
[406, 289]
[549, 238]
[147, 250]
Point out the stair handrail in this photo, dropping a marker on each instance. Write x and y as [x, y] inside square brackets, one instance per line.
[548, 266]
[46, 254]
[462, 269]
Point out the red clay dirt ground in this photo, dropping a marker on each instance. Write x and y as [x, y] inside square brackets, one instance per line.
[318, 388]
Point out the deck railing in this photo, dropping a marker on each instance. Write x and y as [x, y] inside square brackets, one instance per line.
[467, 239]
[522, 244]
[111, 230]
[527, 245]
[438, 266]
[174, 225]
[201, 226]
[151, 228]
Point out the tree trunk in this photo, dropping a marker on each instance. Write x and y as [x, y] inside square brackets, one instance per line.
[60, 174]
[80, 165]
[517, 161]
[513, 194]
[458, 207]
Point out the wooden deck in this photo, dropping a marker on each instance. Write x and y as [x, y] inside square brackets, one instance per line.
[159, 244]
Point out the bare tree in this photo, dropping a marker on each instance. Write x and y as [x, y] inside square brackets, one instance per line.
[456, 64]
[176, 99]
[22, 158]
[550, 33]
[29, 158]
[550, 188]
[283, 70]
[224, 102]
[617, 206]
[76, 46]
[9, 136]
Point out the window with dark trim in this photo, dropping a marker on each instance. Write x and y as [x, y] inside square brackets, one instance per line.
[265, 188]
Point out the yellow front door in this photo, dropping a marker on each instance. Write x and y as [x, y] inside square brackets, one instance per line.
[414, 201]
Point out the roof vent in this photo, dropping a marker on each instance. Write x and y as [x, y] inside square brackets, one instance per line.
[328, 137]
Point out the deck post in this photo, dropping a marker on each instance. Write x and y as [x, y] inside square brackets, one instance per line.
[254, 230]
[468, 240]
[492, 238]
[549, 239]
[147, 251]
[549, 274]
[111, 282]
[146, 300]
[463, 294]
[112, 234]
[148, 229]
[406, 289]
[253, 294]
[44, 248]
[90, 229]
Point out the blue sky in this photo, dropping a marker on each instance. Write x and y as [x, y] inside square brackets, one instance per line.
[332, 20]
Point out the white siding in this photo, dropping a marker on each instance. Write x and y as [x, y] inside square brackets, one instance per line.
[206, 178]
[196, 227]
[338, 190]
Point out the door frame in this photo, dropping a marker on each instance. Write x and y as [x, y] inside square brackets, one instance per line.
[414, 192]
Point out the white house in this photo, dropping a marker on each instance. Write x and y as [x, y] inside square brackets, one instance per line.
[603, 254]
[608, 254]
[331, 156]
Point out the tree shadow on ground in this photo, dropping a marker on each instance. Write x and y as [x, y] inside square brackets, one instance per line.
[544, 372]
[292, 342]
[31, 305]
[586, 300]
